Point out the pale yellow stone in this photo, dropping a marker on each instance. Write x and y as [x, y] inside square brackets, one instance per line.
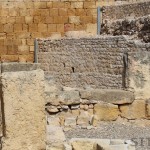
[134, 111]
[84, 145]
[24, 110]
[91, 29]
[106, 111]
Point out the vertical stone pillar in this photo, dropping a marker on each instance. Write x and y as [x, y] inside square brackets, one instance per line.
[139, 74]
[23, 94]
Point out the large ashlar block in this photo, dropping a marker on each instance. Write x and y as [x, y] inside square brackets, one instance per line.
[25, 121]
[139, 74]
[136, 110]
[106, 111]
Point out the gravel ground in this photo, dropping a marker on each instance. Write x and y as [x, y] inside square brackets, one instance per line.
[114, 130]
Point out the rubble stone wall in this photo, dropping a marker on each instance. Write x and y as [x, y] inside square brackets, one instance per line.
[95, 62]
[126, 11]
[136, 28]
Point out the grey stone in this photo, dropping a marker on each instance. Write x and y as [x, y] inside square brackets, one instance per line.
[70, 121]
[69, 97]
[109, 96]
[52, 109]
[14, 67]
[75, 106]
[55, 135]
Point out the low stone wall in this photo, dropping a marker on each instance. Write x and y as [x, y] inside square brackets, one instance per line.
[70, 109]
[126, 11]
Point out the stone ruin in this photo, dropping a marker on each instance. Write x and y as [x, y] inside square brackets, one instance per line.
[80, 86]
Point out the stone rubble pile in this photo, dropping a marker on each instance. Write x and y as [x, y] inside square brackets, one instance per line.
[138, 28]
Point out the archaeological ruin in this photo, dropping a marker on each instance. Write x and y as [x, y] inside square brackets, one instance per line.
[75, 74]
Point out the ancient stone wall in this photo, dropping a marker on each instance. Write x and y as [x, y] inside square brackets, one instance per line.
[95, 62]
[24, 20]
[126, 11]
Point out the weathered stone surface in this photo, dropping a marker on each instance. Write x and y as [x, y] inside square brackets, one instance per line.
[84, 145]
[24, 106]
[101, 69]
[106, 111]
[136, 28]
[139, 74]
[83, 119]
[55, 147]
[126, 11]
[101, 144]
[69, 97]
[63, 97]
[148, 108]
[70, 121]
[136, 110]
[75, 106]
[75, 112]
[52, 109]
[109, 96]
[14, 67]
[116, 141]
[55, 135]
[53, 121]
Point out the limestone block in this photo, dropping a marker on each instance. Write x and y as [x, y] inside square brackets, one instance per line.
[52, 109]
[74, 19]
[109, 96]
[58, 4]
[15, 67]
[77, 5]
[75, 107]
[134, 111]
[116, 141]
[148, 108]
[69, 97]
[89, 5]
[106, 111]
[55, 135]
[117, 147]
[91, 29]
[84, 118]
[28, 20]
[84, 145]
[55, 147]
[39, 4]
[53, 121]
[75, 112]
[8, 28]
[139, 74]
[70, 121]
[24, 109]
[42, 27]
[56, 96]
